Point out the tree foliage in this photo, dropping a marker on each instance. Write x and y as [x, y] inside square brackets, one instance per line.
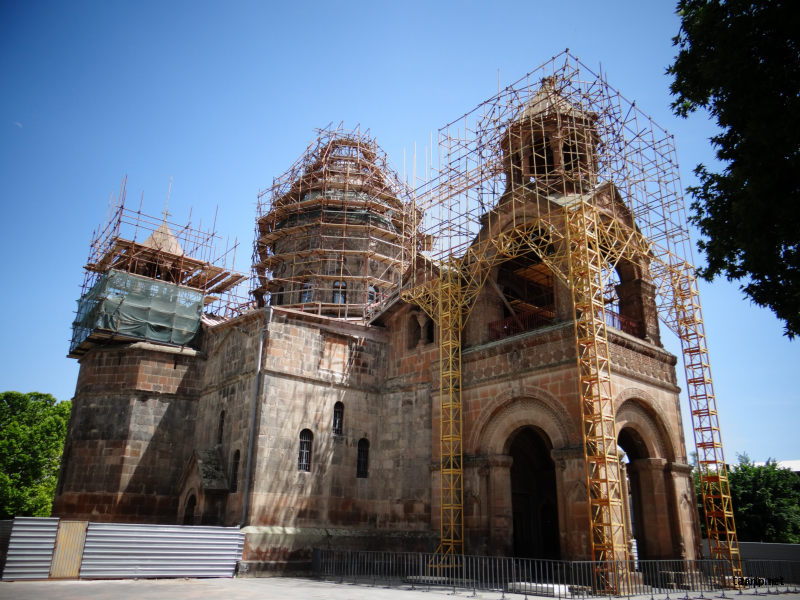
[740, 61]
[33, 427]
[766, 502]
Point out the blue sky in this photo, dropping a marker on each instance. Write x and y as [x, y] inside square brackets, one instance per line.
[222, 97]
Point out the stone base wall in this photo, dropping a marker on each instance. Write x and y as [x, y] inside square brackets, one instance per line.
[125, 507]
[275, 551]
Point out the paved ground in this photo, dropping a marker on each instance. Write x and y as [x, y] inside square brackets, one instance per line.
[262, 589]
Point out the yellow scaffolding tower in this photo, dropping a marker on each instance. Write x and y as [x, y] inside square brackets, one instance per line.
[560, 166]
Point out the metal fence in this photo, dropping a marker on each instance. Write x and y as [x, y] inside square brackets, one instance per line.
[119, 550]
[30, 548]
[5, 538]
[554, 578]
[116, 550]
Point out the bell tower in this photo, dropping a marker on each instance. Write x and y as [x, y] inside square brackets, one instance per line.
[551, 144]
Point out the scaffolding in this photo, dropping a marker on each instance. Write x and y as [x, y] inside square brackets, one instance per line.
[332, 233]
[149, 278]
[560, 168]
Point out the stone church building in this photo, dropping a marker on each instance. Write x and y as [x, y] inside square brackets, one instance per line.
[310, 418]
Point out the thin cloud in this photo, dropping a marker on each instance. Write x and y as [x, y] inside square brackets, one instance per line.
[18, 124]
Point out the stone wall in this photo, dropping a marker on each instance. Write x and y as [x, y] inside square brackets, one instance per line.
[151, 422]
[309, 363]
[129, 435]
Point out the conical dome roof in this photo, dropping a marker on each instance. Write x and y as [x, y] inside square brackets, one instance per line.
[548, 100]
[164, 240]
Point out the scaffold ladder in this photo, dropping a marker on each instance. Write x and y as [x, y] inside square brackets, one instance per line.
[713, 471]
[606, 513]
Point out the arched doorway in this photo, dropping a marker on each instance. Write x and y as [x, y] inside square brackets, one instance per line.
[533, 496]
[635, 449]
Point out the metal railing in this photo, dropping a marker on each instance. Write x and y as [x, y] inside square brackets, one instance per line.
[553, 578]
[623, 323]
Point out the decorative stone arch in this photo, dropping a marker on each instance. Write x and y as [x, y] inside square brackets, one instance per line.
[185, 500]
[637, 411]
[499, 424]
[533, 407]
[653, 512]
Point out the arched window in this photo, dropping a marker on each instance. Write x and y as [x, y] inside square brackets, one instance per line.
[372, 294]
[188, 511]
[235, 472]
[338, 418]
[304, 455]
[306, 292]
[540, 157]
[340, 292]
[362, 460]
[220, 427]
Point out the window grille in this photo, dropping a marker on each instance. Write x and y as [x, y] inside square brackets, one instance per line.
[340, 292]
[306, 293]
[338, 418]
[304, 456]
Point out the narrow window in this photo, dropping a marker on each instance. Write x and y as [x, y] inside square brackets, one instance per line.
[220, 427]
[372, 294]
[276, 298]
[235, 472]
[362, 461]
[339, 292]
[338, 418]
[188, 511]
[306, 293]
[541, 163]
[304, 456]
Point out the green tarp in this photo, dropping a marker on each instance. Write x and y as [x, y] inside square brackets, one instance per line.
[138, 307]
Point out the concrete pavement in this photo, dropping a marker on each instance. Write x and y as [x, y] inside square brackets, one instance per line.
[278, 588]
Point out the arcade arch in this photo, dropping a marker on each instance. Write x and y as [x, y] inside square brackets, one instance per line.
[651, 512]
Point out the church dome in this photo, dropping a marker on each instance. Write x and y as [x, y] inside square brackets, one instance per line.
[333, 238]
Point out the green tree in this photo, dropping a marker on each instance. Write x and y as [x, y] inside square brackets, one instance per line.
[740, 61]
[33, 427]
[766, 502]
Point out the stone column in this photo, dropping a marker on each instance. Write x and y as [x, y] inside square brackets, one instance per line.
[626, 507]
[685, 522]
[563, 300]
[501, 525]
[637, 302]
[573, 510]
[476, 505]
[421, 319]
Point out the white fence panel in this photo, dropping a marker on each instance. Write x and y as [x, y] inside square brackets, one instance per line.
[30, 548]
[119, 550]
